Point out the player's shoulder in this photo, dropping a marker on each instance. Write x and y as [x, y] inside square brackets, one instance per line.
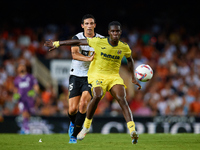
[123, 43]
[99, 38]
[30, 76]
[96, 39]
[99, 35]
[17, 78]
[79, 35]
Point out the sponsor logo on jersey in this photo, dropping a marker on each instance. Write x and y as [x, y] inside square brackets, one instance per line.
[24, 84]
[85, 52]
[109, 56]
[103, 47]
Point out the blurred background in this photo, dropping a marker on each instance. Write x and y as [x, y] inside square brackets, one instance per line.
[162, 34]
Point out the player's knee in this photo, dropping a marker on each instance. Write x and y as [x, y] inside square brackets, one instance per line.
[122, 101]
[121, 96]
[97, 97]
[73, 110]
[25, 114]
[97, 93]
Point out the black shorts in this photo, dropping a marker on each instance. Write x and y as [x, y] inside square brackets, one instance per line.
[77, 85]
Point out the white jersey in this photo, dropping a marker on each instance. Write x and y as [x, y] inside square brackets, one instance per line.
[80, 68]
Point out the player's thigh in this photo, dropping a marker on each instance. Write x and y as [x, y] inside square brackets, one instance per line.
[98, 92]
[118, 92]
[74, 86]
[85, 90]
[85, 97]
[27, 107]
[73, 104]
[99, 87]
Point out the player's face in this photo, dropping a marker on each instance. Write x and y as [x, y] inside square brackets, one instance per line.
[89, 26]
[115, 32]
[21, 68]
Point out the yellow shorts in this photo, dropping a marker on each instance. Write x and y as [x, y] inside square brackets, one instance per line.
[105, 81]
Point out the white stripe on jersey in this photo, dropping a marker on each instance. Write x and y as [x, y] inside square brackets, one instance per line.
[80, 68]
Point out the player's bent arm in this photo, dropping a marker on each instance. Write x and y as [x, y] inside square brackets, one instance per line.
[131, 66]
[78, 56]
[15, 90]
[36, 88]
[132, 70]
[16, 95]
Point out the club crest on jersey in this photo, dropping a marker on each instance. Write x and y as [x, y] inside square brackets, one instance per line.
[119, 52]
[98, 82]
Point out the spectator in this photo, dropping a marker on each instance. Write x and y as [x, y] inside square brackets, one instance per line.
[62, 105]
[195, 106]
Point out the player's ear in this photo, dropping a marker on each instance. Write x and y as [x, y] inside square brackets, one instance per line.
[82, 25]
[94, 25]
[108, 32]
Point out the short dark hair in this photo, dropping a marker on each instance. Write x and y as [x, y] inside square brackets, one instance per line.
[114, 23]
[86, 17]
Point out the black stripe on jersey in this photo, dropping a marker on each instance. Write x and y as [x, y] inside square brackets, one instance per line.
[86, 37]
[123, 42]
[74, 38]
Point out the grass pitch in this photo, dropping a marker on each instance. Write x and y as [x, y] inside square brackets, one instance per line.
[100, 142]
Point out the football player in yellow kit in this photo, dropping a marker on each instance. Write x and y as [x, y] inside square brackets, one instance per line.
[103, 73]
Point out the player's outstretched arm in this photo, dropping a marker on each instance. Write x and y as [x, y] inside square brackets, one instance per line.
[131, 68]
[53, 45]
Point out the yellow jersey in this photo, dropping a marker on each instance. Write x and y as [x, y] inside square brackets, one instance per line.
[107, 59]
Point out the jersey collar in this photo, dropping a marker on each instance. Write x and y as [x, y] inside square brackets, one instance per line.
[110, 43]
[86, 37]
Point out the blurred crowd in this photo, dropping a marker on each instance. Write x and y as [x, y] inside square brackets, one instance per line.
[172, 52]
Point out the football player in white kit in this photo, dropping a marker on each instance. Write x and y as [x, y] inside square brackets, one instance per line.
[80, 90]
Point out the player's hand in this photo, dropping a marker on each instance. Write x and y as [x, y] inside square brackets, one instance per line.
[31, 93]
[91, 57]
[50, 45]
[136, 83]
[16, 96]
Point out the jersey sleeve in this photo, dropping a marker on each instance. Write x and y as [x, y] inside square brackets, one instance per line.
[74, 38]
[127, 52]
[16, 83]
[92, 42]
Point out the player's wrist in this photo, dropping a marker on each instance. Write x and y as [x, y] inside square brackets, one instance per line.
[56, 44]
[88, 59]
[31, 93]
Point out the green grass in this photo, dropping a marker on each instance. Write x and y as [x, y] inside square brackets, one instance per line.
[100, 142]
